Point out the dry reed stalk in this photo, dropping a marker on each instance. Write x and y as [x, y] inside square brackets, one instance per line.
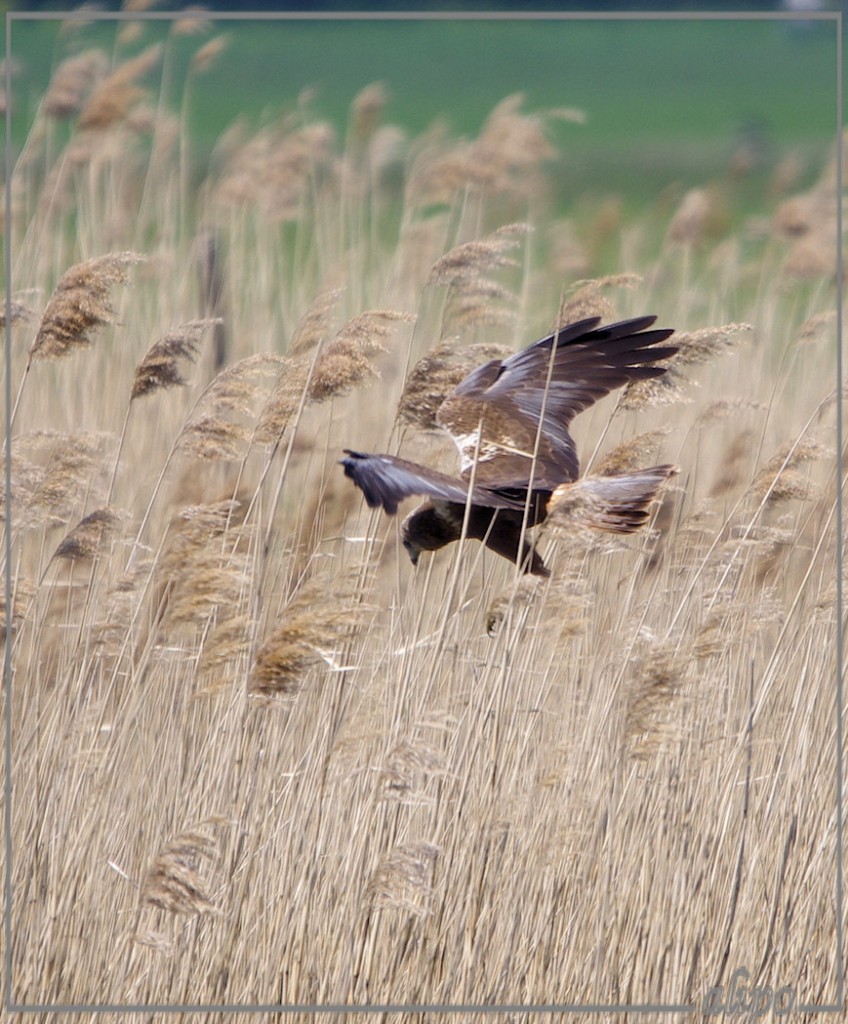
[114, 96]
[72, 82]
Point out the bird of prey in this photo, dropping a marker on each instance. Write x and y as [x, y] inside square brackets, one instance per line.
[509, 419]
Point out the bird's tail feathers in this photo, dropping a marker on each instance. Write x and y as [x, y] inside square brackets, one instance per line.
[617, 504]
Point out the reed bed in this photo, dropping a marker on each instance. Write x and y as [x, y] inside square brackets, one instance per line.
[259, 759]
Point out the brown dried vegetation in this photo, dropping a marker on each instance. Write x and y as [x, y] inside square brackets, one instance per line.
[440, 785]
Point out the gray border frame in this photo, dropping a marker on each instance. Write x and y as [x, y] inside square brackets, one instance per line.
[660, 1008]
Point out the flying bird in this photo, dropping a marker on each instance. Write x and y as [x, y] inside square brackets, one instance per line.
[509, 419]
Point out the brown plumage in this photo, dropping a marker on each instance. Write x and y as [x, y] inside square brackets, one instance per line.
[509, 419]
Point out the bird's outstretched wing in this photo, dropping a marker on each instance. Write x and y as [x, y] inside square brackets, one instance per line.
[493, 415]
[386, 480]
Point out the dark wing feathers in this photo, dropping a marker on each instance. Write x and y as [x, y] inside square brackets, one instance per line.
[557, 377]
[494, 414]
[386, 480]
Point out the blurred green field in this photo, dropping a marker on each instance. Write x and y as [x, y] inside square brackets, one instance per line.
[668, 101]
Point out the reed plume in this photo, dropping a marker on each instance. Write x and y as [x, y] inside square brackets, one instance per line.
[160, 367]
[402, 880]
[72, 82]
[52, 472]
[18, 313]
[474, 298]
[116, 94]
[88, 537]
[585, 298]
[658, 674]
[80, 304]
[780, 479]
[217, 428]
[345, 361]
[314, 625]
[632, 454]
[435, 376]
[174, 880]
[318, 371]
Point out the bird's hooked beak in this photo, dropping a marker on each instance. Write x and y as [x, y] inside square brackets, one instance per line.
[411, 550]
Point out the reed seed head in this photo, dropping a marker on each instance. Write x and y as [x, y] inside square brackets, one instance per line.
[88, 537]
[160, 367]
[403, 879]
[174, 881]
[435, 376]
[318, 620]
[80, 304]
[72, 82]
[114, 96]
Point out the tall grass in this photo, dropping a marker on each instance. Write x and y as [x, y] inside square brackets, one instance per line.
[257, 757]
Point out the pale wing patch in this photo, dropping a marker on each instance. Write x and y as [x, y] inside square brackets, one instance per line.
[467, 445]
[470, 449]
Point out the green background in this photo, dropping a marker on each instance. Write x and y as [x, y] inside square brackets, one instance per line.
[665, 100]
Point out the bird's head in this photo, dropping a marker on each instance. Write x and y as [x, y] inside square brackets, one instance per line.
[425, 529]
[407, 535]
